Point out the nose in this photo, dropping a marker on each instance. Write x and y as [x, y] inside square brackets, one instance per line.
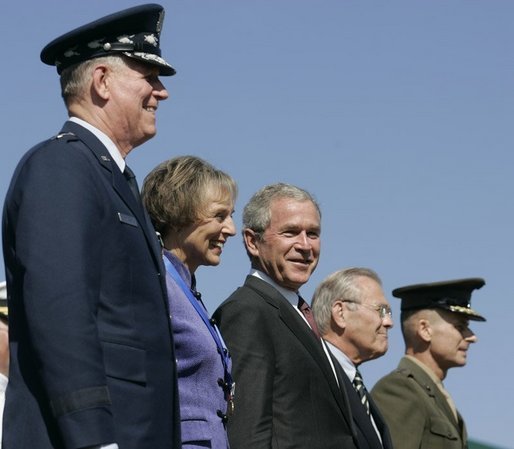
[230, 227]
[303, 242]
[160, 91]
[387, 321]
[470, 336]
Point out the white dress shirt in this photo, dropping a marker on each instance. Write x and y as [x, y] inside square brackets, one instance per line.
[350, 370]
[102, 137]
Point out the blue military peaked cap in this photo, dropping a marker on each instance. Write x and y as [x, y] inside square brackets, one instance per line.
[454, 296]
[133, 32]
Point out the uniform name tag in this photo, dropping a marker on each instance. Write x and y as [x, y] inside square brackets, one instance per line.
[127, 219]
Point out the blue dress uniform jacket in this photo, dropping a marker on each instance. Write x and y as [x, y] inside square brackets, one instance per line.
[286, 392]
[416, 411]
[92, 358]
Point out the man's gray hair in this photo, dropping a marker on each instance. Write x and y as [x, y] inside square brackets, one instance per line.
[75, 79]
[340, 285]
[257, 212]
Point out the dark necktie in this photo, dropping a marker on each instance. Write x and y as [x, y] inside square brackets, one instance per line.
[358, 384]
[131, 180]
[307, 313]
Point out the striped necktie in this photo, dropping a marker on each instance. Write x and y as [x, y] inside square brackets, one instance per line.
[358, 384]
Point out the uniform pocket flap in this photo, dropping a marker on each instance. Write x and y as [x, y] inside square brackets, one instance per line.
[443, 428]
[195, 430]
[124, 362]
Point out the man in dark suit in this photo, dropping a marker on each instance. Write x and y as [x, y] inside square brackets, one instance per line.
[354, 317]
[286, 390]
[92, 359]
[419, 411]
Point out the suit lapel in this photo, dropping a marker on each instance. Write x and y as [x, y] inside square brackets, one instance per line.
[387, 443]
[304, 334]
[311, 343]
[442, 403]
[343, 380]
[430, 388]
[120, 186]
[360, 417]
[463, 430]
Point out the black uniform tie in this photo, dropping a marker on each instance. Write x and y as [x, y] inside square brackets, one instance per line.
[131, 179]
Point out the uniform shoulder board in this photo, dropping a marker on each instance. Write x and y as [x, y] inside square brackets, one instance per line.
[69, 136]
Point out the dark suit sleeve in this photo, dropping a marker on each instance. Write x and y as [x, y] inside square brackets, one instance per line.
[245, 333]
[57, 243]
[399, 404]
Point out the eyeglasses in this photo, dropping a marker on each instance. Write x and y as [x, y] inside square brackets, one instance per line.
[382, 309]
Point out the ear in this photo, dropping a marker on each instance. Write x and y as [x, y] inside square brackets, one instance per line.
[338, 314]
[251, 242]
[101, 81]
[425, 330]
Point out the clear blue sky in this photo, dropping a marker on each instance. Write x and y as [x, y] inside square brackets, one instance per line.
[397, 115]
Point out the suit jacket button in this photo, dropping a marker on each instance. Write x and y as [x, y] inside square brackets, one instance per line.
[223, 417]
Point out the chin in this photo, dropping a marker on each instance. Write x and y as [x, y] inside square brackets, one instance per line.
[459, 363]
[212, 262]
[380, 352]
[301, 279]
[143, 139]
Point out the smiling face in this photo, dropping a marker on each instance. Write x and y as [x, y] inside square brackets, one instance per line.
[288, 250]
[365, 332]
[134, 94]
[201, 243]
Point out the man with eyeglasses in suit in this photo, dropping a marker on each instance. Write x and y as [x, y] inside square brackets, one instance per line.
[354, 317]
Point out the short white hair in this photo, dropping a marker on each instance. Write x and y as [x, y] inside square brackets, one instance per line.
[75, 79]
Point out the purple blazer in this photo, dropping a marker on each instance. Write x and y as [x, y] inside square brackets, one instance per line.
[200, 370]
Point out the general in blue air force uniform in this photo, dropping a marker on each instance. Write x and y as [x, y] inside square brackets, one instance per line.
[92, 356]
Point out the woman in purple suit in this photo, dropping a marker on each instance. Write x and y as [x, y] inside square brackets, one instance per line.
[191, 204]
